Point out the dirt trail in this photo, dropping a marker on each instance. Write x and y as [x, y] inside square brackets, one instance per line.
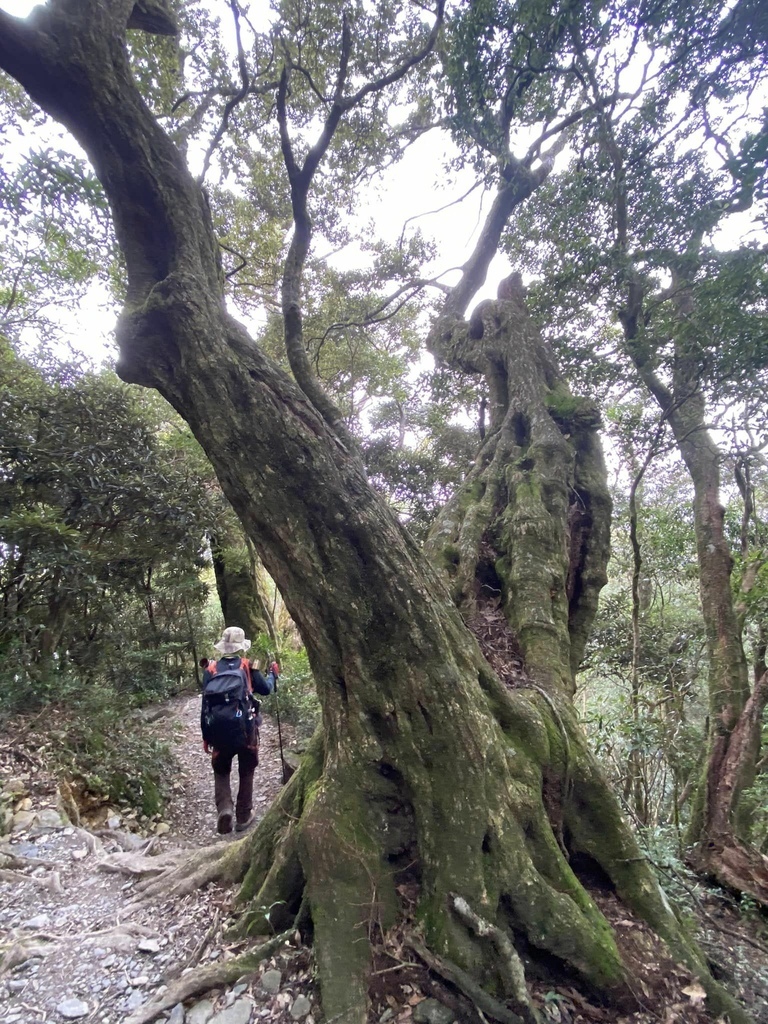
[73, 948]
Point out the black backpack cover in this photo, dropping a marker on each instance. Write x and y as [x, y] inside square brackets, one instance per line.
[227, 716]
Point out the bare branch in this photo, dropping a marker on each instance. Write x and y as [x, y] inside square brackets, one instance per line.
[236, 99]
[439, 209]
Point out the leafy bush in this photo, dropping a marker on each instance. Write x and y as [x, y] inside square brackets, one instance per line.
[296, 698]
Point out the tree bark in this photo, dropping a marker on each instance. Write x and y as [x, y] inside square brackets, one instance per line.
[735, 713]
[429, 772]
[235, 566]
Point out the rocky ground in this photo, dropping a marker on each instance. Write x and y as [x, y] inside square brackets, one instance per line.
[73, 950]
[77, 947]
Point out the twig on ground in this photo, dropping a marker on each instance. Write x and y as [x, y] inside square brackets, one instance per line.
[200, 948]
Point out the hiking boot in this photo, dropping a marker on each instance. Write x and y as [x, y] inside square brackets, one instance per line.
[223, 795]
[241, 826]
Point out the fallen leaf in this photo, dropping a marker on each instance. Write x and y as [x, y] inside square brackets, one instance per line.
[695, 993]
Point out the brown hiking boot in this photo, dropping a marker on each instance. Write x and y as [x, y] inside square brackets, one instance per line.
[223, 795]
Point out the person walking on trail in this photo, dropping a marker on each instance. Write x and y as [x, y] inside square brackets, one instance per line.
[229, 720]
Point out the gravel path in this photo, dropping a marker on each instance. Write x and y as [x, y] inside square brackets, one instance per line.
[72, 950]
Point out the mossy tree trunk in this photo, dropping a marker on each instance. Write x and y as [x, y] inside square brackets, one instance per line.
[431, 773]
[236, 568]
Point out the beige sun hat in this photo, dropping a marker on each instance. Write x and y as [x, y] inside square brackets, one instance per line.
[232, 641]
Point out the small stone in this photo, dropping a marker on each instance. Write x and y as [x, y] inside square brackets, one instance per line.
[177, 1014]
[214, 954]
[140, 979]
[50, 818]
[237, 1013]
[271, 981]
[22, 820]
[431, 1011]
[388, 1014]
[73, 1008]
[301, 1007]
[148, 946]
[38, 921]
[109, 961]
[239, 988]
[14, 787]
[200, 1013]
[99, 952]
[135, 1000]
[17, 985]
[26, 804]
[27, 965]
[79, 854]
[161, 828]
[113, 821]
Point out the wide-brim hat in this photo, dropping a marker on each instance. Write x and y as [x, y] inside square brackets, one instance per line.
[232, 641]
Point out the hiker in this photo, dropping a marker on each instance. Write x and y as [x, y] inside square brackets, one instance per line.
[230, 720]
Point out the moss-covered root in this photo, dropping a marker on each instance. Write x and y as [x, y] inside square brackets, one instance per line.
[349, 892]
[597, 829]
[205, 978]
[273, 887]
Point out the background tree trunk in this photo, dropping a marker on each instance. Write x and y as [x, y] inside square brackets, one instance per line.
[735, 712]
[236, 568]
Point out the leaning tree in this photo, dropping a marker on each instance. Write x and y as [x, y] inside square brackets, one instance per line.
[443, 787]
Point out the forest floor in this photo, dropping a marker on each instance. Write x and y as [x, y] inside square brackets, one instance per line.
[75, 947]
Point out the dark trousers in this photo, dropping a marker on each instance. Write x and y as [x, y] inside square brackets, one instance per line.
[247, 760]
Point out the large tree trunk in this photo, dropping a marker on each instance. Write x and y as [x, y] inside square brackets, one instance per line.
[735, 713]
[430, 775]
[236, 568]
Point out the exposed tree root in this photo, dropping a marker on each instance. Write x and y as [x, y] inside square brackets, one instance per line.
[22, 949]
[130, 863]
[51, 881]
[510, 966]
[456, 976]
[206, 978]
[92, 842]
[127, 840]
[15, 860]
[734, 865]
[178, 873]
[121, 937]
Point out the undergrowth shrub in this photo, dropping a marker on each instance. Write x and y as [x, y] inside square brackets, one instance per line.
[88, 730]
[296, 697]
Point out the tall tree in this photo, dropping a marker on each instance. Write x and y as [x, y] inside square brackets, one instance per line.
[659, 170]
[430, 776]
